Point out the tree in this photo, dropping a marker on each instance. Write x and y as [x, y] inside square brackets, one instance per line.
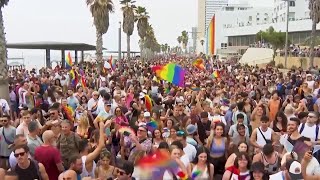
[179, 39]
[276, 39]
[4, 85]
[128, 20]
[141, 17]
[100, 10]
[185, 39]
[314, 6]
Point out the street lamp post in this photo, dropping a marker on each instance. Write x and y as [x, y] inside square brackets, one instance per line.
[119, 47]
[287, 28]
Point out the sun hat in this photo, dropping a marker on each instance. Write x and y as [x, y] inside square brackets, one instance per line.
[191, 129]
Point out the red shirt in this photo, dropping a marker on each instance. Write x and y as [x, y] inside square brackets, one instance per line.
[49, 156]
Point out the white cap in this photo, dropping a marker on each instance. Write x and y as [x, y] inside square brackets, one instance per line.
[146, 114]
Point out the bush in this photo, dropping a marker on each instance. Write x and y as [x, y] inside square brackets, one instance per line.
[272, 63]
[280, 66]
[294, 67]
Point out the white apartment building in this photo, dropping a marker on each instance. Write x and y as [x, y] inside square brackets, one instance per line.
[237, 25]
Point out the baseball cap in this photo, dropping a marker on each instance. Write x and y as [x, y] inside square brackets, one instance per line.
[294, 169]
[191, 129]
[146, 114]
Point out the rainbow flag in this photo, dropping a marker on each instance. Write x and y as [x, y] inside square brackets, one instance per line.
[69, 112]
[152, 125]
[199, 63]
[148, 102]
[216, 74]
[69, 61]
[74, 77]
[83, 82]
[171, 73]
[112, 63]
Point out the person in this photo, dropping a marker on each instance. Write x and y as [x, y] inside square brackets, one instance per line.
[75, 164]
[33, 139]
[293, 171]
[240, 170]
[262, 135]
[88, 158]
[7, 135]
[202, 163]
[23, 127]
[125, 173]
[204, 127]
[310, 129]
[104, 170]
[258, 172]
[68, 142]
[270, 158]
[242, 147]
[218, 146]
[188, 149]
[193, 135]
[69, 174]
[10, 175]
[233, 133]
[53, 163]
[26, 168]
[19, 140]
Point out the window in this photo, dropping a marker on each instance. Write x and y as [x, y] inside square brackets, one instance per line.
[292, 3]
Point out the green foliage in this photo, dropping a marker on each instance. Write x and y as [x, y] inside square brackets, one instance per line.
[280, 66]
[272, 63]
[276, 39]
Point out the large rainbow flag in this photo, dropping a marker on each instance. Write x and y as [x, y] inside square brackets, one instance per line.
[69, 61]
[172, 73]
[211, 37]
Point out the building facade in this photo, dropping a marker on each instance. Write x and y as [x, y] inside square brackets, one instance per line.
[237, 25]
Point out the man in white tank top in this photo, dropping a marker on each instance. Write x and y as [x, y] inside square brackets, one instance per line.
[262, 135]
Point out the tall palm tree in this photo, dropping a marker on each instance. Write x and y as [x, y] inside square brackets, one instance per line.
[128, 20]
[179, 39]
[100, 10]
[166, 47]
[141, 17]
[4, 90]
[314, 6]
[185, 39]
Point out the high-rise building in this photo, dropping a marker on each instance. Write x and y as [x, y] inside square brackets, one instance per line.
[206, 10]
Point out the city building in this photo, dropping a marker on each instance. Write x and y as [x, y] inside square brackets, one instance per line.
[234, 27]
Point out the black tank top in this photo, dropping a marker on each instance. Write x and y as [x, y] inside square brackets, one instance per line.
[31, 173]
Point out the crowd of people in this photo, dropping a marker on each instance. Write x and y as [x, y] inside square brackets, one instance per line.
[244, 123]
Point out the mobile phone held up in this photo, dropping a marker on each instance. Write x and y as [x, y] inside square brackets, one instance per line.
[126, 133]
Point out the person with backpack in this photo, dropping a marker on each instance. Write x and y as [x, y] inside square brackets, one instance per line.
[310, 129]
[7, 134]
[26, 168]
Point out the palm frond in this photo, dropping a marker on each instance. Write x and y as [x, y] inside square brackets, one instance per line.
[3, 3]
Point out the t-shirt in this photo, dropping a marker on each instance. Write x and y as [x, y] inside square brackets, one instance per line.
[5, 106]
[73, 102]
[190, 151]
[49, 162]
[234, 133]
[309, 132]
[10, 133]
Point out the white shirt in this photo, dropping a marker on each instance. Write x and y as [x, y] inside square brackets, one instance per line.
[5, 106]
[260, 140]
[277, 176]
[190, 151]
[309, 132]
[91, 104]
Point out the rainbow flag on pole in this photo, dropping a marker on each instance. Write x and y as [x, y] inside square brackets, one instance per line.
[148, 102]
[199, 63]
[112, 63]
[69, 61]
[216, 74]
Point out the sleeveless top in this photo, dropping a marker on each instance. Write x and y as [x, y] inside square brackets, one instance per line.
[218, 150]
[271, 168]
[31, 173]
[267, 135]
[203, 175]
[85, 173]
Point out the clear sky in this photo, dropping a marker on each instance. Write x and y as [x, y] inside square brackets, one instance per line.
[71, 21]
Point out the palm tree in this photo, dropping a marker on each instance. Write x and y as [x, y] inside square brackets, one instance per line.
[100, 10]
[142, 25]
[179, 39]
[185, 39]
[4, 90]
[166, 47]
[128, 20]
[314, 6]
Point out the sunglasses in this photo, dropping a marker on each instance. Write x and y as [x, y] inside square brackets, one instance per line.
[19, 154]
[142, 130]
[121, 172]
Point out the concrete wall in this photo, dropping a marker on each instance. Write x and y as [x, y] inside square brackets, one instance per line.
[295, 61]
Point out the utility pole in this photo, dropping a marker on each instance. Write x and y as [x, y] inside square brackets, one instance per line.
[119, 47]
[287, 29]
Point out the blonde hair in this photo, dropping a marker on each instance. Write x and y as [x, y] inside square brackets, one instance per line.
[84, 120]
